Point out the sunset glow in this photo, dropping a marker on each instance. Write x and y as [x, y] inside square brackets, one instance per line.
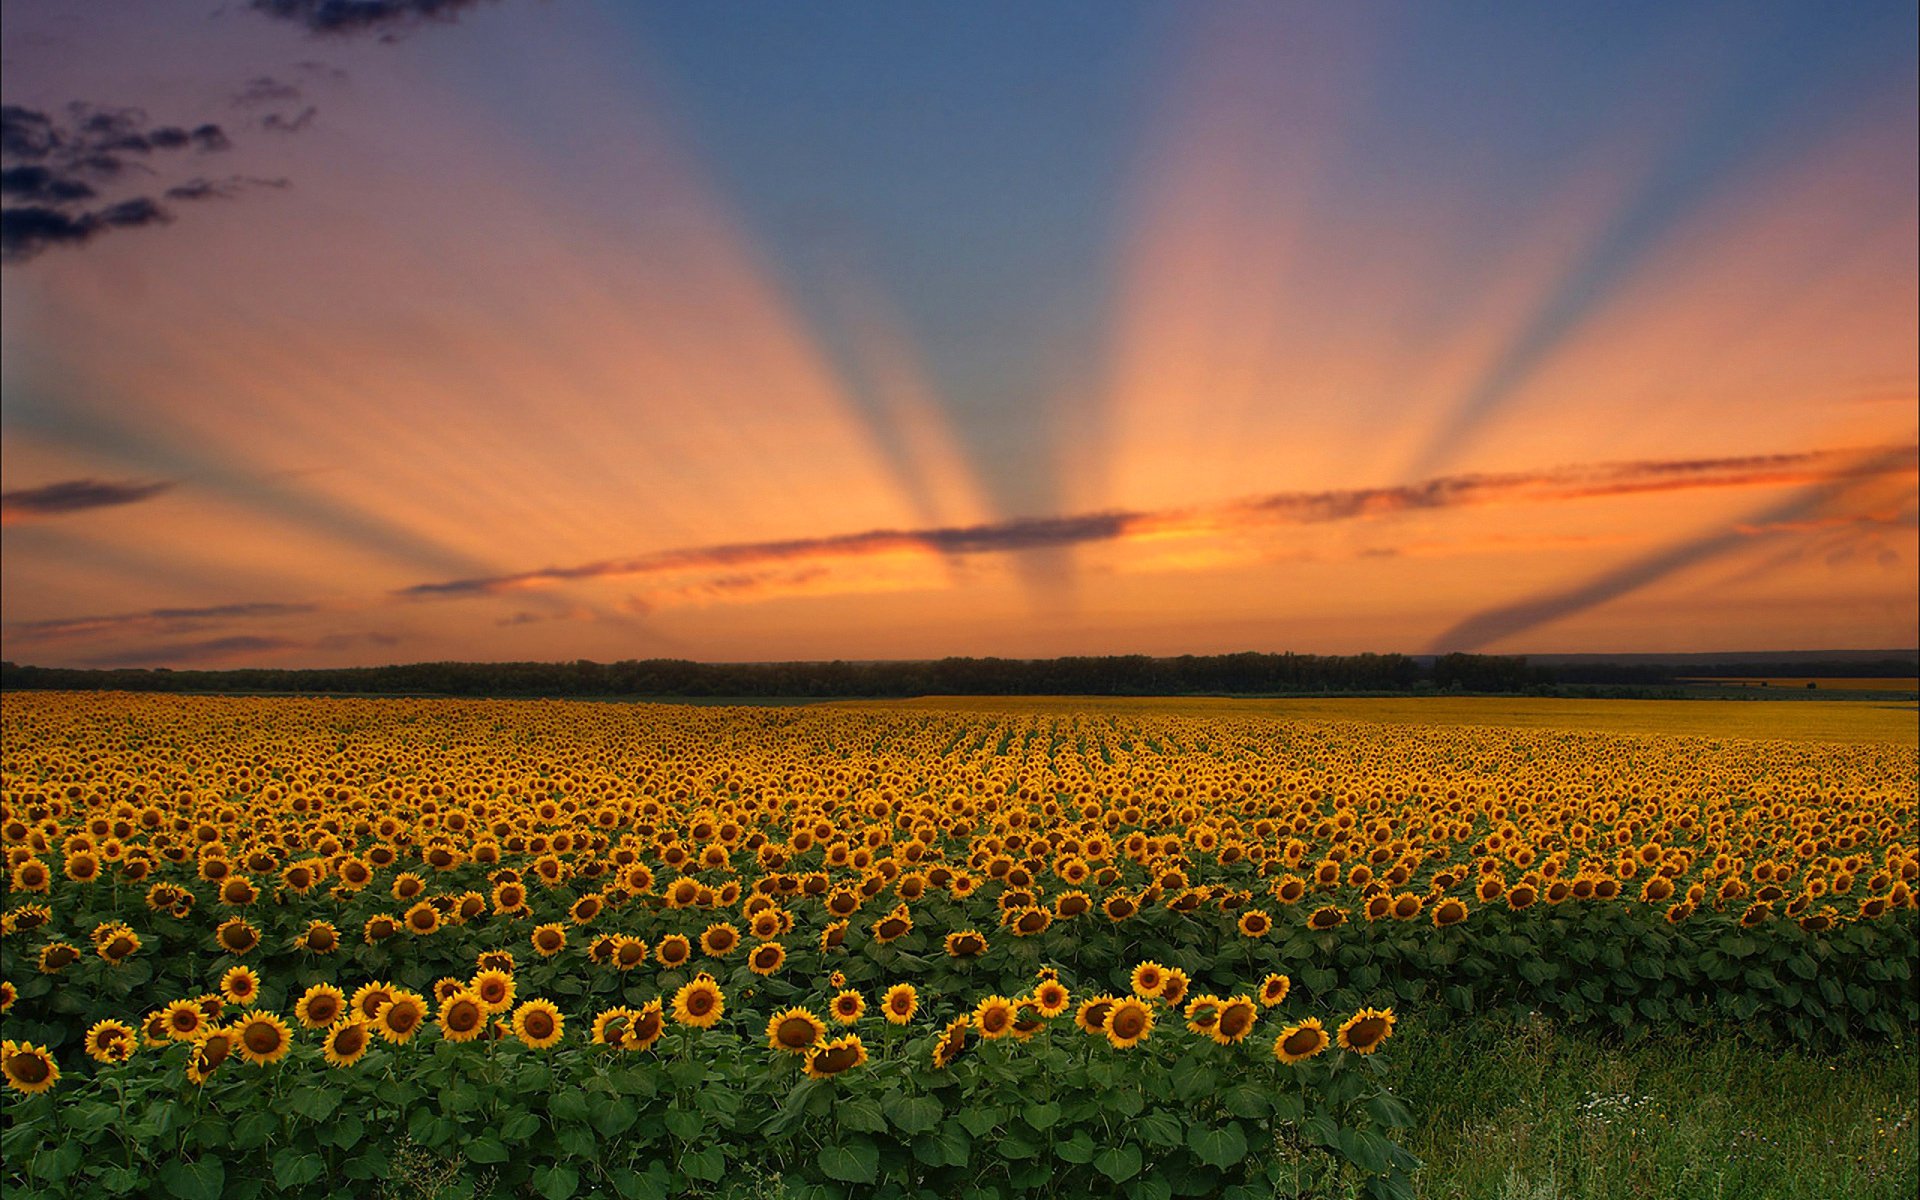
[603, 331]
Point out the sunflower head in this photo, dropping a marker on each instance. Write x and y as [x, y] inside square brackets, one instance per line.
[1237, 1017]
[794, 1031]
[835, 1057]
[1299, 1042]
[847, 1006]
[1149, 980]
[952, 1043]
[401, 1017]
[1092, 1014]
[994, 1017]
[1365, 1030]
[1129, 1023]
[1050, 998]
[645, 1028]
[463, 1016]
[1274, 989]
[699, 1003]
[320, 1006]
[240, 985]
[29, 1068]
[900, 1003]
[346, 1042]
[262, 1037]
[538, 1024]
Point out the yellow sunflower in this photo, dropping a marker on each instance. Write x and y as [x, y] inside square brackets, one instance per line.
[1363, 1032]
[346, 1042]
[320, 1006]
[110, 1041]
[401, 1017]
[263, 1037]
[462, 1017]
[645, 1028]
[847, 1007]
[767, 958]
[952, 1043]
[1051, 998]
[831, 1058]
[795, 1031]
[699, 1003]
[1092, 1014]
[1237, 1017]
[1129, 1023]
[1149, 979]
[538, 1023]
[240, 985]
[494, 989]
[900, 1003]
[549, 940]
[1299, 1042]
[994, 1017]
[1274, 989]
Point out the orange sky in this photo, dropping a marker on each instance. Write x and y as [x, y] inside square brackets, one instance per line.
[476, 386]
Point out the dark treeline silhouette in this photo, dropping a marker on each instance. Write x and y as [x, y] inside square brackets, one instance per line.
[1125, 675]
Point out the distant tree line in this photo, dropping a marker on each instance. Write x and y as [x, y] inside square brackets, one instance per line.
[1122, 675]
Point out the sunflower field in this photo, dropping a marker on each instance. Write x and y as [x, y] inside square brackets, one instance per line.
[299, 946]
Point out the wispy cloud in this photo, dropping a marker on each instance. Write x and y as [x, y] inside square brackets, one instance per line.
[1806, 509]
[1236, 516]
[388, 18]
[154, 620]
[73, 496]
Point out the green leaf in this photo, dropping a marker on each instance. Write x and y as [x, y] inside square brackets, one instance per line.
[1077, 1149]
[202, 1180]
[613, 1118]
[1118, 1163]
[1390, 1112]
[313, 1103]
[684, 1124]
[1220, 1147]
[568, 1106]
[1160, 1128]
[1041, 1116]
[252, 1131]
[296, 1170]
[856, 1161]
[861, 1116]
[1245, 1100]
[707, 1164]
[485, 1149]
[556, 1182]
[915, 1114]
[518, 1126]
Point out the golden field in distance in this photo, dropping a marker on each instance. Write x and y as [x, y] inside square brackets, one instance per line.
[1800, 720]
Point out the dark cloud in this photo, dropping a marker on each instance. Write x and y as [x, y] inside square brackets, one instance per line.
[72, 496]
[1807, 505]
[209, 649]
[41, 186]
[282, 123]
[385, 17]
[154, 620]
[25, 133]
[1233, 517]
[52, 171]
[265, 89]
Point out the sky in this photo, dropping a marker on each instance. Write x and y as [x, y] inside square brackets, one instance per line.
[343, 332]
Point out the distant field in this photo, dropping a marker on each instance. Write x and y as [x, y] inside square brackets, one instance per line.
[1811, 721]
[1821, 683]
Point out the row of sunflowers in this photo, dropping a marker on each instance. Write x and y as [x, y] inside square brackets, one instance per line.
[801, 927]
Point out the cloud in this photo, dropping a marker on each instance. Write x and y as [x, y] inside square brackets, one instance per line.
[54, 169]
[1804, 509]
[1233, 517]
[73, 496]
[388, 18]
[210, 649]
[155, 620]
